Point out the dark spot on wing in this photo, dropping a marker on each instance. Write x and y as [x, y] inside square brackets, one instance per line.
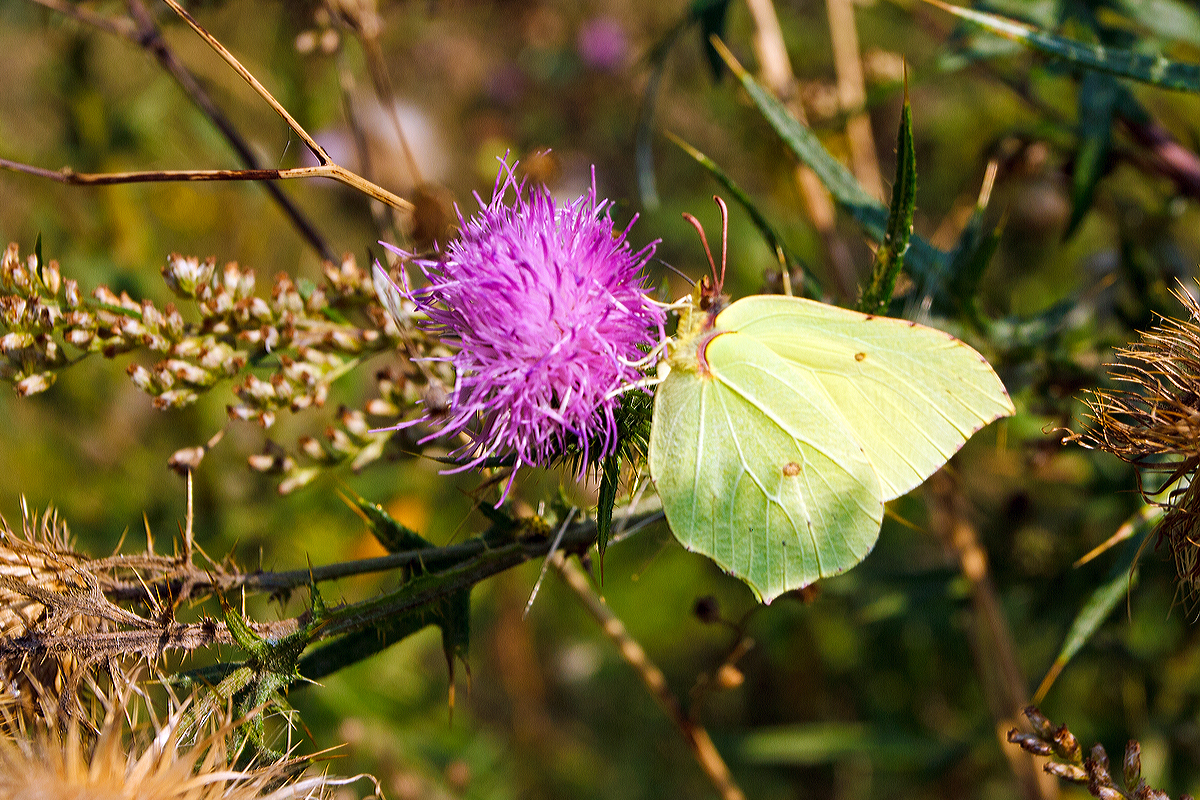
[791, 469]
[859, 356]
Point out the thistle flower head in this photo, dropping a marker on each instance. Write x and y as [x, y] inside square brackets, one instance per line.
[545, 304]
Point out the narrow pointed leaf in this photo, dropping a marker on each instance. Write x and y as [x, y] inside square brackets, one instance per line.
[1152, 69]
[451, 614]
[772, 237]
[609, 479]
[1170, 19]
[889, 258]
[710, 14]
[1103, 600]
[926, 263]
[1097, 105]
[830, 742]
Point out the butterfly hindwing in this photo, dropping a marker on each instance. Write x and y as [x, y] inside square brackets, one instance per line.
[757, 470]
[912, 395]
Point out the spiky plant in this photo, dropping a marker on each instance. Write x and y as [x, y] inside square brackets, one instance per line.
[173, 754]
[1154, 424]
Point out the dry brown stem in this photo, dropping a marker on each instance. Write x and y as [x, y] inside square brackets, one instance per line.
[779, 78]
[991, 642]
[693, 733]
[852, 95]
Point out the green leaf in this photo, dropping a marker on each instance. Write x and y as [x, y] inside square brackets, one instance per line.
[37, 251]
[829, 742]
[1152, 69]
[774, 241]
[1098, 93]
[452, 614]
[889, 258]
[610, 478]
[926, 263]
[1170, 19]
[394, 536]
[1101, 603]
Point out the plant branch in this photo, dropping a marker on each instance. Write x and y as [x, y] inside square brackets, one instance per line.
[992, 643]
[692, 732]
[852, 96]
[333, 171]
[117, 26]
[148, 35]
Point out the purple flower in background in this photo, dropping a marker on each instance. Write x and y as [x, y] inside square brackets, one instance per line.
[546, 304]
[602, 44]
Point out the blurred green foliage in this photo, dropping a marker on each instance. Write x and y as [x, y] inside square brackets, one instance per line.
[870, 689]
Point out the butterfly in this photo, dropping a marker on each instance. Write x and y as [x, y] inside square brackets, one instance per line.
[783, 425]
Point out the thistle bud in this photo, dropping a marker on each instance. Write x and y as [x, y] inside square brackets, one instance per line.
[71, 293]
[152, 318]
[185, 276]
[105, 296]
[186, 459]
[1030, 743]
[175, 398]
[312, 448]
[260, 310]
[1133, 764]
[12, 342]
[34, 384]
[1066, 746]
[79, 337]
[142, 378]
[1068, 772]
[52, 278]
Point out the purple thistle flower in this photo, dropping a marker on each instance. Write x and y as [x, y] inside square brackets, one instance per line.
[547, 306]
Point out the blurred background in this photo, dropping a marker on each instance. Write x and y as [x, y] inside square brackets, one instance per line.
[882, 682]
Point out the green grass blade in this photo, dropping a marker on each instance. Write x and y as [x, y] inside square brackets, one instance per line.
[1104, 599]
[926, 263]
[889, 258]
[829, 742]
[1152, 69]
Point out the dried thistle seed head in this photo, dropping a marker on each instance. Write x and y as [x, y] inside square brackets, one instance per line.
[1159, 414]
[1155, 424]
[105, 752]
[38, 567]
[1180, 530]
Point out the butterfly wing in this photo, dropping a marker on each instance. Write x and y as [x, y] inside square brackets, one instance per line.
[756, 469]
[911, 394]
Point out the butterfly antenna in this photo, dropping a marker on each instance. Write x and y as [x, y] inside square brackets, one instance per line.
[695, 223]
[676, 270]
[724, 240]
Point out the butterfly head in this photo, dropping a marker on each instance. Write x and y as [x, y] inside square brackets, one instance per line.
[707, 300]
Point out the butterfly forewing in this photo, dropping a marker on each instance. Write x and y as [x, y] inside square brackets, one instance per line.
[912, 395]
[757, 471]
